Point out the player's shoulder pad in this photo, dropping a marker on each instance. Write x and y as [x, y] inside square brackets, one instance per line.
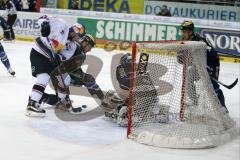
[198, 37]
[79, 49]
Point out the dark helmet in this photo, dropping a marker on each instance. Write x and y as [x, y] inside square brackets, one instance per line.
[89, 39]
[126, 59]
[187, 25]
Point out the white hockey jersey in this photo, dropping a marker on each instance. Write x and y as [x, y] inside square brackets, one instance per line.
[58, 36]
[69, 49]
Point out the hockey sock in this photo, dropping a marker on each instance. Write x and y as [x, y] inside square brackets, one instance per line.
[39, 86]
[96, 90]
[92, 86]
[4, 59]
[62, 95]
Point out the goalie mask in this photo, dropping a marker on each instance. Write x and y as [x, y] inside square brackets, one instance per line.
[126, 59]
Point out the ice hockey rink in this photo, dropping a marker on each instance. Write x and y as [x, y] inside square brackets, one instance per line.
[49, 138]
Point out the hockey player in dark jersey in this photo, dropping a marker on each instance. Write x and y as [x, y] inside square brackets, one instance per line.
[110, 101]
[213, 64]
[78, 77]
[77, 52]
[115, 104]
[72, 52]
[6, 28]
[3, 56]
[11, 17]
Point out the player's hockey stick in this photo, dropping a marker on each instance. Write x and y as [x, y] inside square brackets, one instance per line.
[60, 73]
[53, 57]
[59, 70]
[224, 85]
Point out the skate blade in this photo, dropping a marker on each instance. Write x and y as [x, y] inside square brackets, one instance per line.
[34, 114]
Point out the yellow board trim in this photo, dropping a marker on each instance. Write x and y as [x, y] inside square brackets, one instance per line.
[101, 45]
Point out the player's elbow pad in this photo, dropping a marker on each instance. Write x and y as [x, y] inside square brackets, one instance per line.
[45, 29]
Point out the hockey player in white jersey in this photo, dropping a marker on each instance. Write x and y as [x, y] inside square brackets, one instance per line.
[43, 57]
[76, 32]
[73, 55]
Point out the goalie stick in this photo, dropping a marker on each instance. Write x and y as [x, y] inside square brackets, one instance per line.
[224, 85]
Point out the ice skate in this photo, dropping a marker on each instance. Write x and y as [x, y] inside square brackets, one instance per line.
[12, 72]
[64, 104]
[34, 110]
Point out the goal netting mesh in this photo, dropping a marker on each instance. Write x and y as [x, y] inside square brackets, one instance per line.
[172, 102]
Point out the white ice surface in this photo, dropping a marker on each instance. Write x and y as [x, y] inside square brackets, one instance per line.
[24, 138]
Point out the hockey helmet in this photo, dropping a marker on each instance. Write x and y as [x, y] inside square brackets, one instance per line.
[126, 59]
[187, 25]
[89, 39]
[44, 17]
[79, 29]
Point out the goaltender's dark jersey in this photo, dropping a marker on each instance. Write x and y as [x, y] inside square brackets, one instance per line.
[212, 56]
[123, 75]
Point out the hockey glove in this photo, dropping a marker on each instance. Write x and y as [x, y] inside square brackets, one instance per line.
[45, 29]
[211, 71]
[56, 61]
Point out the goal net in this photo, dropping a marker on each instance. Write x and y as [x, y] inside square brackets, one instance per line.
[172, 102]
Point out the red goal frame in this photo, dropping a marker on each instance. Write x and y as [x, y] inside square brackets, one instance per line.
[133, 63]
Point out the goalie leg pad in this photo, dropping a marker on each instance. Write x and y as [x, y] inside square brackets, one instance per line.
[111, 102]
[115, 109]
[161, 113]
[122, 118]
